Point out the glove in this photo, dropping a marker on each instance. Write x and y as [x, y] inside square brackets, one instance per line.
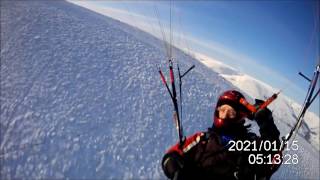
[263, 116]
[258, 102]
[252, 115]
[172, 163]
[268, 130]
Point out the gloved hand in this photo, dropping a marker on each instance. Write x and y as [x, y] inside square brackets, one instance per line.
[252, 115]
[258, 102]
[268, 130]
[172, 163]
[263, 116]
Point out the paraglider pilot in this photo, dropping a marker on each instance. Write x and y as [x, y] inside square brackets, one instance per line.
[215, 154]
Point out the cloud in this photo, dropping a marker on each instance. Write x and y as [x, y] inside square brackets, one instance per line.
[148, 23]
[194, 45]
[142, 22]
[247, 65]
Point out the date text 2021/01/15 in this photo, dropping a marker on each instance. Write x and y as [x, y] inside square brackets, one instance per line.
[263, 145]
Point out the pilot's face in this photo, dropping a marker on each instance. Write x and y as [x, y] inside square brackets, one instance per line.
[226, 112]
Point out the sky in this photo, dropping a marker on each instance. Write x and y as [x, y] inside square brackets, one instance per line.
[269, 40]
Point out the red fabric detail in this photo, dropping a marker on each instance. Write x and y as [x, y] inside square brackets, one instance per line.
[162, 78]
[218, 122]
[176, 148]
[171, 75]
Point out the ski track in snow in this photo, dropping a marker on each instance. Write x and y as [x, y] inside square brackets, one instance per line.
[81, 97]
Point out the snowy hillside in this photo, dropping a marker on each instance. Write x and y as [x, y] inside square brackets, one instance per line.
[81, 97]
[284, 108]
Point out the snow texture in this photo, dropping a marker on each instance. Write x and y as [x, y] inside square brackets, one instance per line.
[81, 98]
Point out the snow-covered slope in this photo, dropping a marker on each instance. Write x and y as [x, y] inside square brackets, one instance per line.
[284, 109]
[81, 97]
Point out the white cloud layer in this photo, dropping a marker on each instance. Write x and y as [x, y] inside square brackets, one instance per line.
[187, 43]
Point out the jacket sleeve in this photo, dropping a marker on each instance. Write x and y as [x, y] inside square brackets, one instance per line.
[268, 130]
[174, 161]
[172, 164]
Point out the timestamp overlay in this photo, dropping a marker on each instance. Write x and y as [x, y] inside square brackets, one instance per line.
[267, 152]
[299, 159]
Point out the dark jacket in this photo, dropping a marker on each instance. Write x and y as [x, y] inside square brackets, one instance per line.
[207, 155]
